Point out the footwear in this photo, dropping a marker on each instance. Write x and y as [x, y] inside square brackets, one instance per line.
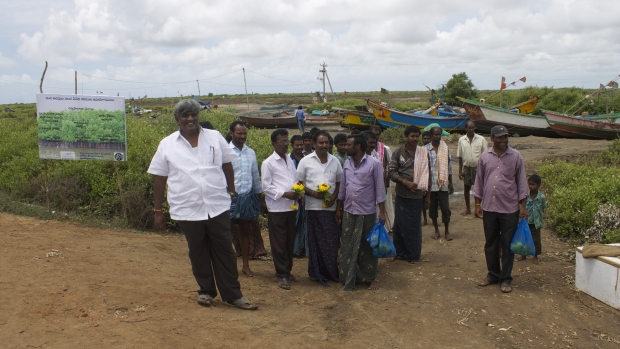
[486, 282]
[505, 288]
[205, 300]
[293, 278]
[243, 304]
[283, 284]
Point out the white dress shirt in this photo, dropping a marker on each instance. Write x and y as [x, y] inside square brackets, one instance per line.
[279, 175]
[312, 172]
[196, 183]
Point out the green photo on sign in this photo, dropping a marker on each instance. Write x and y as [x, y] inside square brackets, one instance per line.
[73, 127]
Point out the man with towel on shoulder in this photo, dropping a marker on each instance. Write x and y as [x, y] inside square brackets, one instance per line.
[441, 181]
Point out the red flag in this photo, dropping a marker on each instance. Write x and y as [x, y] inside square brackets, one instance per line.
[513, 83]
[503, 85]
[613, 84]
[602, 87]
[523, 79]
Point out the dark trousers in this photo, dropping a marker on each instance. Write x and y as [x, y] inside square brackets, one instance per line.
[498, 231]
[282, 239]
[441, 199]
[536, 237]
[212, 256]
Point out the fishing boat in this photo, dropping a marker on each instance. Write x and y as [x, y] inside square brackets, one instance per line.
[269, 119]
[475, 114]
[360, 119]
[605, 126]
[389, 117]
[485, 117]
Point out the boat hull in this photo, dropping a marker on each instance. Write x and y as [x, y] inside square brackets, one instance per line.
[584, 128]
[356, 119]
[269, 122]
[522, 124]
[393, 118]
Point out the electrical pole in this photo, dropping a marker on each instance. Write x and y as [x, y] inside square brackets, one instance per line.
[246, 89]
[323, 79]
[76, 82]
[198, 87]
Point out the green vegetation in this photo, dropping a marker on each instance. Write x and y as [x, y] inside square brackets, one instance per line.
[459, 85]
[576, 191]
[83, 126]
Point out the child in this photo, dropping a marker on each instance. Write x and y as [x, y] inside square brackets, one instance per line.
[426, 138]
[535, 204]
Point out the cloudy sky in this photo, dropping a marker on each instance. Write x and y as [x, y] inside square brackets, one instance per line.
[161, 47]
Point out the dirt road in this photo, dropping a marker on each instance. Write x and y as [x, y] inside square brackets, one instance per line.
[69, 286]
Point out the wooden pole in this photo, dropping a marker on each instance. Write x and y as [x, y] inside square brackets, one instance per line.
[47, 191]
[120, 189]
[76, 82]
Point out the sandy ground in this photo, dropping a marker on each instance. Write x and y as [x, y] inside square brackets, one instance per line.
[125, 289]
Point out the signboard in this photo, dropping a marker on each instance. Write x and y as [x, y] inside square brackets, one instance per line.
[79, 127]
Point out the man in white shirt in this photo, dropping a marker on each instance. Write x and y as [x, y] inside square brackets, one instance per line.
[196, 165]
[471, 145]
[279, 175]
[316, 169]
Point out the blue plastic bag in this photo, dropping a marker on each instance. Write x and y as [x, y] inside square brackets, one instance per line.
[380, 242]
[522, 242]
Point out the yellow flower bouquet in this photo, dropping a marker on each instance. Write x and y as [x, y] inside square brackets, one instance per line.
[299, 189]
[323, 188]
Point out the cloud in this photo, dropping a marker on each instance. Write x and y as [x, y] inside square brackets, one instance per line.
[398, 45]
[6, 62]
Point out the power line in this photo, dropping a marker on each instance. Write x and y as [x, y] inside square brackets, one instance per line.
[268, 77]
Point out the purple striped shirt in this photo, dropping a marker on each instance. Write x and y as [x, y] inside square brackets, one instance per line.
[362, 188]
[500, 181]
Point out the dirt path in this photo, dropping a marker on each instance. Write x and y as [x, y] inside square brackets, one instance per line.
[123, 289]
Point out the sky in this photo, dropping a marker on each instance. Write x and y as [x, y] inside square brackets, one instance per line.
[160, 47]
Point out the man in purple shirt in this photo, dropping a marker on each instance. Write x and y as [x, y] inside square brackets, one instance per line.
[500, 191]
[361, 189]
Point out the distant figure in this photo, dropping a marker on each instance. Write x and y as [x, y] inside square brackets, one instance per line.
[301, 119]
[341, 148]
[441, 182]
[308, 143]
[471, 145]
[426, 139]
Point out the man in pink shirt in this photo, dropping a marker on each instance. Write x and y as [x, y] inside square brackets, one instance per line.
[500, 191]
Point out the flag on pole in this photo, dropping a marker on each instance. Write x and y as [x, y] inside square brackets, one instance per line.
[602, 87]
[346, 93]
[503, 85]
[523, 79]
[613, 84]
[513, 83]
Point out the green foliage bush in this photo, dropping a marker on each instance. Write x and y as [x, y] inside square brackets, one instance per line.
[459, 85]
[575, 191]
[348, 103]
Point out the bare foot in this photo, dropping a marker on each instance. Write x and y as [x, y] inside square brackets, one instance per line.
[247, 271]
[535, 260]
[374, 285]
[448, 237]
[465, 213]
[391, 259]
[520, 258]
[436, 236]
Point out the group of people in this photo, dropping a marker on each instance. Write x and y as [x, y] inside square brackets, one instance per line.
[322, 205]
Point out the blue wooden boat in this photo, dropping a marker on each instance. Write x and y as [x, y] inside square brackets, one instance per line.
[389, 117]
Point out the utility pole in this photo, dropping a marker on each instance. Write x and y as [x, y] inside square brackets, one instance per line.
[76, 82]
[198, 87]
[323, 80]
[246, 89]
